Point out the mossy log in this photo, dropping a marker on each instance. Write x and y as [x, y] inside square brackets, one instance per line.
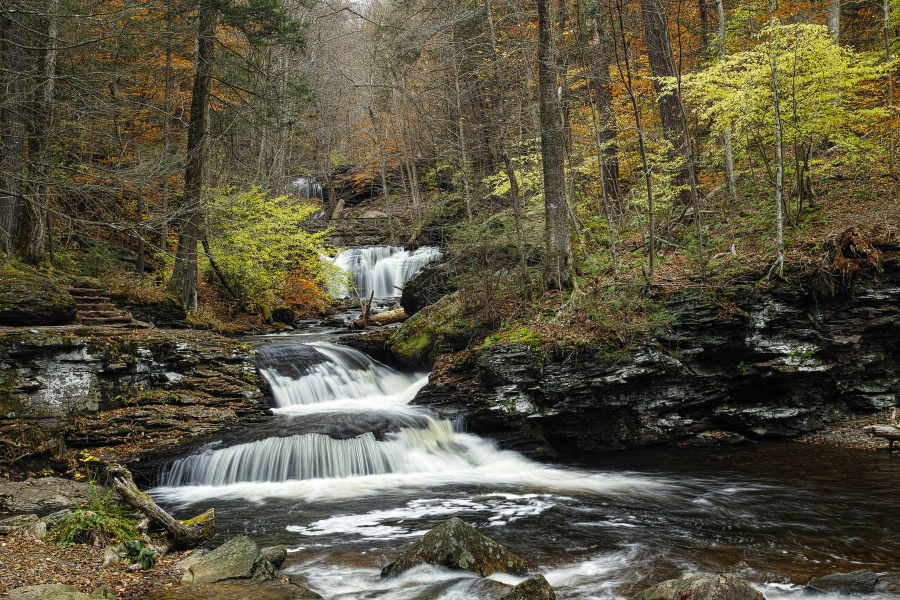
[183, 534]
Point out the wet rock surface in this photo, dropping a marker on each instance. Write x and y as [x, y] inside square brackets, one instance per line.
[121, 396]
[702, 586]
[765, 365]
[41, 496]
[857, 582]
[426, 287]
[533, 588]
[457, 545]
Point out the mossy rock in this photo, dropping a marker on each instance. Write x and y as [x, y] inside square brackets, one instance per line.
[533, 588]
[28, 298]
[702, 586]
[457, 545]
[439, 327]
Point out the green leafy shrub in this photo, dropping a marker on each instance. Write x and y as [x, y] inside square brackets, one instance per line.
[98, 522]
[137, 552]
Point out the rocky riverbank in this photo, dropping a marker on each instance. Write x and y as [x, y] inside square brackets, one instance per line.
[72, 396]
[777, 363]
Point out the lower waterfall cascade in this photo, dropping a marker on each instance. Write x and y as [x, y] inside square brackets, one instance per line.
[595, 527]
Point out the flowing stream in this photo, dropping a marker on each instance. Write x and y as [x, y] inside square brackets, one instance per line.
[349, 473]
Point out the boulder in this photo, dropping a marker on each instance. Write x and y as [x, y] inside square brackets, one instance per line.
[857, 582]
[28, 297]
[533, 588]
[42, 495]
[275, 554]
[702, 586]
[457, 545]
[239, 558]
[47, 592]
[426, 287]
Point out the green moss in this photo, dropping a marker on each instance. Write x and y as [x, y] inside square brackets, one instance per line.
[418, 338]
[515, 336]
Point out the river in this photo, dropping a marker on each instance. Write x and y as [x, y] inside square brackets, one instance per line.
[349, 473]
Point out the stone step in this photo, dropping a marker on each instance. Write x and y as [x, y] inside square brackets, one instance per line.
[85, 292]
[118, 320]
[103, 314]
[90, 299]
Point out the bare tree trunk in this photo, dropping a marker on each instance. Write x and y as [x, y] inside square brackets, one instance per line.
[662, 65]
[890, 82]
[559, 246]
[167, 132]
[834, 20]
[33, 235]
[184, 275]
[648, 175]
[12, 140]
[382, 164]
[729, 152]
[606, 116]
[779, 160]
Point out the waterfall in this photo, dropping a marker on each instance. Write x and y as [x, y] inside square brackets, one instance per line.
[383, 269]
[307, 187]
[324, 377]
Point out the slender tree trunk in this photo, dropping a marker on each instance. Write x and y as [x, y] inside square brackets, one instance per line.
[606, 116]
[662, 65]
[499, 106]
[167, 132]
[703, 9]
[729, 152]
[559, 246]
[33, 235]
[12, 140]
[779, 160]
[382, 165]
[834, 20]
[890, 83]
[184, 275]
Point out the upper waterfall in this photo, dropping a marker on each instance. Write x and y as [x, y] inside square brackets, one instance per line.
[383, 269]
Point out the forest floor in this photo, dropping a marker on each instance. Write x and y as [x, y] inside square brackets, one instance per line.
[850, 432]
[26, 561]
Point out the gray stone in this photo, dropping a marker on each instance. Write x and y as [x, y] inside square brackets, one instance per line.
[47, 592]
[702, 586]
[112, 556]
[239, 558]
[276, 554]
[533, 588]
[102, 593]
[457, 545]
[857, 582]
[42, 496]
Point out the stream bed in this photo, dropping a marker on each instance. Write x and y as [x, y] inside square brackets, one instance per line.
[349, 473]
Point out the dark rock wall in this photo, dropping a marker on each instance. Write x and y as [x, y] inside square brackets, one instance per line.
[771, 365]
[126, 396]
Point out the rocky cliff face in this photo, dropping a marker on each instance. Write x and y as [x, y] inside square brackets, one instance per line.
[769, 365]
[74, 395]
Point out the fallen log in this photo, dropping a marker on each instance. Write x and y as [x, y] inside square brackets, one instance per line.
[888, 432]
[378, 319]
[183, 534]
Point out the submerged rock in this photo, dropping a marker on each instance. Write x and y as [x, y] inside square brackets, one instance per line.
[457, 545]
[533, 588]
[702, 586]
[239, 558]
[857, 582]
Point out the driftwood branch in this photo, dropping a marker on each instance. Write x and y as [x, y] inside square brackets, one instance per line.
[183, 534]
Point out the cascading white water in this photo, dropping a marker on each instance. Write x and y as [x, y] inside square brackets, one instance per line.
[325, 377]
[383, 269]
[307, 187]
[424, 452]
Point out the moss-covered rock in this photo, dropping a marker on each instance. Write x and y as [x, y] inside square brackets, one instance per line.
[533, 588]
[702, 586]
[441, 327]
[28, 298]
[457, 545]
